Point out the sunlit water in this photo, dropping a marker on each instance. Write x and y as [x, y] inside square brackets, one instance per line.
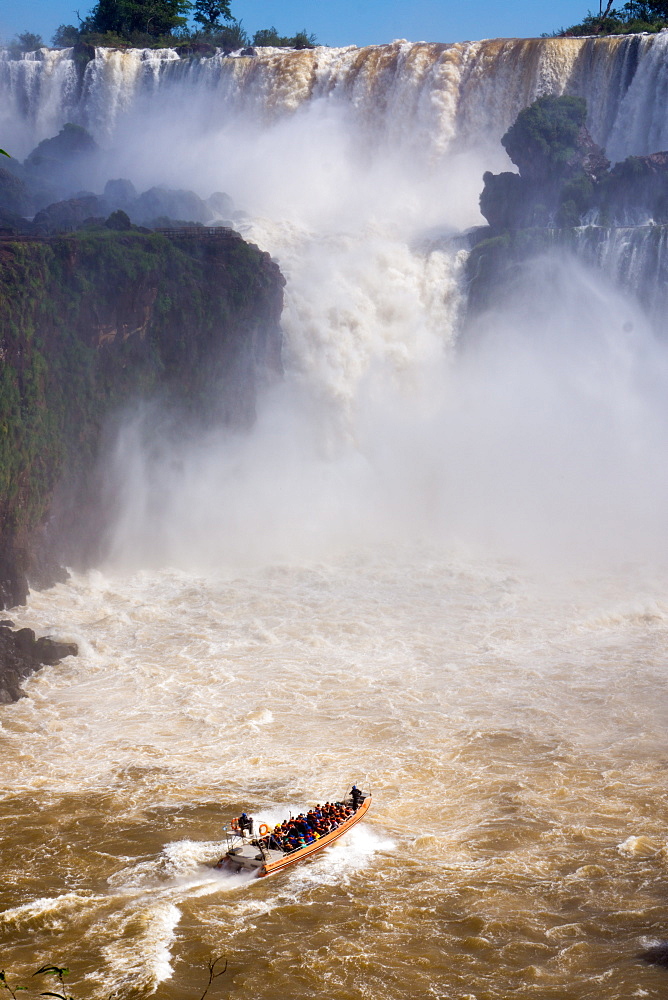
[434, 567]
[511, 729]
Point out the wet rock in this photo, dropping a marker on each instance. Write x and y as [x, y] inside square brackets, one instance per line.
[220, 204]
[502, 199]
[565, 179]
[636, 191]
[120, 193]
[550, 139]
[21, 654]
[158, 201]
[70, 145]
[50, 651]
[68, 215]
[61, 164]
[82, 54]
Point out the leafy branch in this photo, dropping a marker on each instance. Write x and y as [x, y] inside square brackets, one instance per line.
[60, 973]
[13, 990]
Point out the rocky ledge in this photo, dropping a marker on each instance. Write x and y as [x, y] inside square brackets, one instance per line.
[21, 654]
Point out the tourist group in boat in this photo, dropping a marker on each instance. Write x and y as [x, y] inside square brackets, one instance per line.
[307, 828]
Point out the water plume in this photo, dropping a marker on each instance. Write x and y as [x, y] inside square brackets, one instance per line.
[540, 437]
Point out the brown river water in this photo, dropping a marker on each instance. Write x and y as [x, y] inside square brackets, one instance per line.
[511, 731]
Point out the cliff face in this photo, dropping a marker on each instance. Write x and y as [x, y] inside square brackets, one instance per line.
[564, 185]
[92, 321]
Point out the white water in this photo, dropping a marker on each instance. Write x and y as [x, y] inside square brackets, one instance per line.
[435, 568]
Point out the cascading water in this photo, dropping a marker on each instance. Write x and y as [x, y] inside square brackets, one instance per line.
[409, 94]
[438, 572]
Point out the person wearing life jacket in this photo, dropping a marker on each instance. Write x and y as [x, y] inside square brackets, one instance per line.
[357, 797]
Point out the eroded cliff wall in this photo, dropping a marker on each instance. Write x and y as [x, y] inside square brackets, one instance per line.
[90, 322]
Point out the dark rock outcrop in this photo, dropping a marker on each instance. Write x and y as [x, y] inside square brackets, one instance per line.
[566, 199]
[72, 145]
[564, 178]
[220, 204]
[656, 954]
[120, 193]
[636, 191]
[60, 166]
[159, 201]
[21, 654]
[559, 167]
[66, 216]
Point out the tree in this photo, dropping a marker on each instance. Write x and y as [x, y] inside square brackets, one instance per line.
[634, 15]
[65, 36]
[269, 36]
[209, 12]
[28, 42]
[124, 17]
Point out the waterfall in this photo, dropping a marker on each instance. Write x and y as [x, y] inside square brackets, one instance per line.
[357, 169]
[634, 257]
[406, 94]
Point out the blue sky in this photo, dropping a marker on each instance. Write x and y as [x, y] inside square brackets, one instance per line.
[345, 22]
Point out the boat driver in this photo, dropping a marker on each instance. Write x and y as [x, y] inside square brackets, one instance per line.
[246, 824]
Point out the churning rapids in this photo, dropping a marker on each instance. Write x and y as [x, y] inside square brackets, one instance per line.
[436, 565]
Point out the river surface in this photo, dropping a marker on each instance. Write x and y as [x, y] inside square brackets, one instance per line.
[510, 728]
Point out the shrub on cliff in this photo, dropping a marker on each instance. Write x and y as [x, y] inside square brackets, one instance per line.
[634, 16]
[65, 36]
[27, 41]
[549, 140]
[270, 37]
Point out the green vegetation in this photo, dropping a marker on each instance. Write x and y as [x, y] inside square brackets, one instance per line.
[208, 13]
[27, 41]
[546, 135]
[164, 23]
[91, 321]
[634, 16]
[269, 36]
[126, 18]
[565, 179]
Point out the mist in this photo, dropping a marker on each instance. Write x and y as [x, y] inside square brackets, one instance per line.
[539, 435]
[536, 431]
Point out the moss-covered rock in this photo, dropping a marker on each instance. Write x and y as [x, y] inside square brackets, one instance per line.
[93, 320]
[559, 165]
